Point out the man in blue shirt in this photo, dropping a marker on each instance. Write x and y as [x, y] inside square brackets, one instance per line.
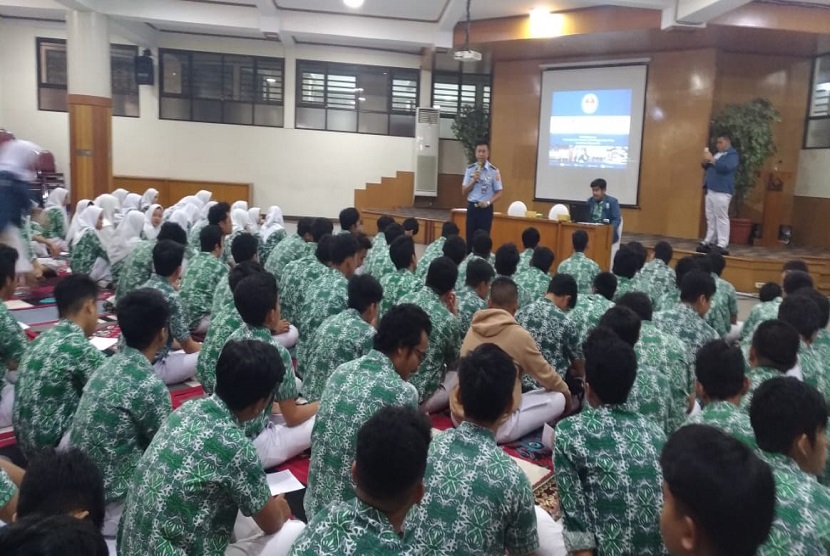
[482, 186]
[604, 208]
[719, 186]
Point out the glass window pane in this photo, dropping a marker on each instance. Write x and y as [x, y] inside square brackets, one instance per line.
[122, 64]
[207, 76]
[341, 120]
[125, 105]
[373, 90]
[207, 111]
[373, 122]
[313, 88]
[820, 105]
[175, 77]
[52, 99]
[402, 126]
[237, 113]
[445, 129]
[269, 80]
[818, 134]
[269, 115]
[174, 108]
[341, 91]
[53, 63]
[445, 96]
[310, 118]
[238, 78]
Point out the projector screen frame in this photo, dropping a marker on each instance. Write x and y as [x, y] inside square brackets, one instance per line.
[592, 65]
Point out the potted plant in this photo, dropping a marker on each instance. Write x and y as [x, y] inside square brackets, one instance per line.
[750, 126]
[470, 125]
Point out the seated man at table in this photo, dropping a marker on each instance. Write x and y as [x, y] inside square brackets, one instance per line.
[13, 342]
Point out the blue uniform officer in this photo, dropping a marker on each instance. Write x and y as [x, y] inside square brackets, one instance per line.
[482, 186]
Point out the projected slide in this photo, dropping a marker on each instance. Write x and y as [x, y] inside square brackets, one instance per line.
[590, 129]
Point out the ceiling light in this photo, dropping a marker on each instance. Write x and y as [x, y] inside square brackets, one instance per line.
[353, 3]
[544, 24]
[362, 99]
[270, 80]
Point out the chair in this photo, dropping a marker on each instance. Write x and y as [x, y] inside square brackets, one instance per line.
[45, 163]
[558, 210]
[616, 246]
[517, 208]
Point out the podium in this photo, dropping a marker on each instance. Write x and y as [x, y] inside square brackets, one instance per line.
[554, 234]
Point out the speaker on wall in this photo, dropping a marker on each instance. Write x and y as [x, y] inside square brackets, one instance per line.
[144, 74]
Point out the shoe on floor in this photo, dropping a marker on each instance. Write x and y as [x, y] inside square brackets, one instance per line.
[703, 247]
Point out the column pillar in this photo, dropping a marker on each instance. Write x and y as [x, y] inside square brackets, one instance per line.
[90, 104]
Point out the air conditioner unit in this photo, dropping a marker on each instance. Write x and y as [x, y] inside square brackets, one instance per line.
[426, 151]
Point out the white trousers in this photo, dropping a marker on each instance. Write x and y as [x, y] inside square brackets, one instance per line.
[112, 517]
[551, 535]
[6, 404]
[279, 442]
[717, 218]
[101, 270]
[537, 408]
[440, 399]
[289, 339]
[177, 367]
[251, 541]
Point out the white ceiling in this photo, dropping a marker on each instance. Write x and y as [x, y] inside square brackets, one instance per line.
[415, 10]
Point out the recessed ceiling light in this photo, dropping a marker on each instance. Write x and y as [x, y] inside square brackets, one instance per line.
[270, 80]
[353, 3]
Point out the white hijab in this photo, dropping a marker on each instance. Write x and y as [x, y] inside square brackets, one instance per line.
[180, 217]
[127, 237]
[240, 205]
[149, 198]
[192, 212]
[241, 220]
[204, 196]
[203, 214]
[120, 194]
[57, 201]
[19, 157]
[150, 231]
[80, 207]
[253, 214]
[273, 222]
[87, 222]
[110, 205]
[131, 202]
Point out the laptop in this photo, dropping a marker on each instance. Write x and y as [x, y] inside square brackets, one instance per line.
[580, 212]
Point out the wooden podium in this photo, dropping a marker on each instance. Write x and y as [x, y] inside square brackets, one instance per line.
[555, 235]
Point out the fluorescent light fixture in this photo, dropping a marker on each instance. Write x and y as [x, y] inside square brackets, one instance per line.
[823, 86]
[270, 80]
[353, 3]
[544, 24]
[359, 90]
[437, 106]
[362, 99]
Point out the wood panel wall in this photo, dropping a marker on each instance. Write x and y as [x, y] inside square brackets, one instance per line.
[90, 145]
[171, 191]
[812, 224]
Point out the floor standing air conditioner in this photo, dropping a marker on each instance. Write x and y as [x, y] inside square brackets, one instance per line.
[426, 152]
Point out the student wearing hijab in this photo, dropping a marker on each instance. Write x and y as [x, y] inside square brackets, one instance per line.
[240, 205]
[88, 253]
[55, 220]
[112, 216]
[152, 221]
[150, 197]
[127, 238]
[180, 217]
[204, 196]
[272, 231]
[132, 202]
[255, 213]
[17, 159]
[80, 207]
[120, 194]
[241, 221]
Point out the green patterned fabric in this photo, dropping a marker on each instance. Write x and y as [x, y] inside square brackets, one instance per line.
[377, 262]
[610, 484]
[222, 295]
[624, 285]
[729, 418]
[684, 323]
[462, 270]
[273, 240]
[555, 335]
[587, 314]
[137, 269]
[524, 259]
[354, 392]
[54, 226]
[84, 254]
[198, 473]
[525, 298]
[813, 369]
[432, 252]
[228, 242]
[477, 500]
[757, 377]
[533, 282]
[468, 303]
[821, 354]
[194, 239]
[123, 406]
[724, 307]
[292, 248]
[655, 279]
[7, 489]
[761, 312]
[667, 301]
[296, 276]
[583, 269]
[648, 398]
[199, 282]
[178, 328]
[341, 338]
[444, 342]
[13, 342]
[222, 325]
[396, 285]
[50, 380]
[324, 297]
[664, 353]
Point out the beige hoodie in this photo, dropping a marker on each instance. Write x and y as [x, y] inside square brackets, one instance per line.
[497, 326]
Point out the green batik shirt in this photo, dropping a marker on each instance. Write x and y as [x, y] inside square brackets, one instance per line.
[396, 285]
[477, 500]
[7, 489]
[50, 380]
[668, 300]
[533, 281]
[684, 323]
[273, 240]
[227, 253]
[583, 269]
[349, 528]
[648, 398]
[724, 305]
[821, 354]
[468, 304]
[432, 252]
[13, 342]
[295, 277]
[222, 295]
[664, 353]
[757, 377]
[123, 406]
[354, 392]
[378, 263]
[177, 327]
[378, 244]
[137, 268]
[610, 485]
[326, 296]
[462, 270]
[802, 511]
[341, 338]
[444, 342]
[556, 336]
[812, 369]
[222, 325]
[199, 283]
[198, 473]
[586, 315]
[624, 285]
[525, 298]
[55, 225]
[729, 418]
[655, 279]
[524, 259]
[292, 248]
[762, 312]
[86, 252]
[194, 239]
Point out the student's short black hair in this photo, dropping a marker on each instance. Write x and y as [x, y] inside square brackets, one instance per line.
[486, 377]
[478, 271]
[718, 262]
[247, 371]
[401, 252]
[349, 217]
[242, 271]
[507, 259]
[776, 343]
[795, 264]
[391, 453]
[801, 312]
[442, 275]
[663, 251]
[343, 246]
[684, 266]
[172, 232]
[542, 259]
[626, 262]
[599, 182]
[141, 314]
[393, 231]
[72, 292]
[401, 327]
[579, 239]
[794, 280]
[255, 296]
[727, 490]
[383, 222]
[782, 409]
[38, 535]
[769, 291]
[167, 257]
[605, 284]
[704, 263]
[638, 302]
[624, 322]
[821, 302]
[504, 292]
[364, 243]
[304, 226]
[641, 252]
[323, 249]
[455, 248]
[321, 227]
[209, 237]
[695, 284]
[363, 291]
[531, 238]
[218, 212]
[244, 247]
[610, 366]
[449, 229]
[482, 141]
[60, 482]
[482, 244]
[564, 284]
[411, 225]
[8, 260]
[719, 368]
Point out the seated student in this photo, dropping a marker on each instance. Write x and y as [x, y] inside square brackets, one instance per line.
[434, 380]
[773, 353]
[590, 307]
[435, 249]
[820, 345]
[641, 252]
[455, 248]
[379, 239]
[534, 279]
[388, 474]
[350, 220]
[127, 238]
[378, 263]
[769, 292]
[199, 282]
[210, 470]
[11, 477]
[769, 310]
[656, 277]
[583, 269]
[403, 280]
[297, 275]
[804, 315]
[718, 496]
[88, 254]
[217, 215]
[598, 475]
[723, 316]
[497, 325]
[494, 512]
[789, 418]
[685, 320]
[343, 337]
[671, 297]
[124, 403]
[285, 434]
[480, 248]
[473, 296]
[272, 231]
[55, 219]
[243, 248]
[13, 342]
[530, 241]
[58, 534]
[506, 264]
[364, 245]
[293, 247]
[138, 267]
[720, 385]
[625, 269]
[173, 365]
[411, 227]
[356, 391]
[55, 368]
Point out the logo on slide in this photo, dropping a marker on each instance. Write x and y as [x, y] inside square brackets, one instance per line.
[590, 103]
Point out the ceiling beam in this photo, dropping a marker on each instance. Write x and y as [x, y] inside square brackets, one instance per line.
[698, 12]
[135, 31]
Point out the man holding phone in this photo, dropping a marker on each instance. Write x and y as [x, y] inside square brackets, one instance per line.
[482, 186]
[719, 185]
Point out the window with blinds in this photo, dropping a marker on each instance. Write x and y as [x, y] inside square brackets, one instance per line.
[452, 89]
[817, 130]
